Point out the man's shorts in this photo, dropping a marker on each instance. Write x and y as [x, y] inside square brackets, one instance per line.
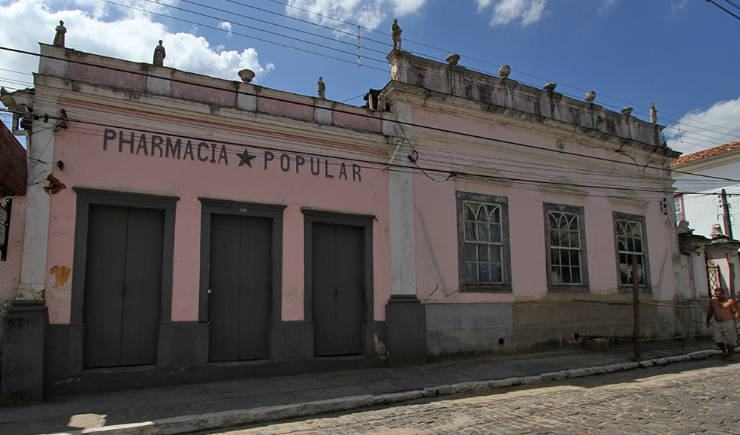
[725, 332]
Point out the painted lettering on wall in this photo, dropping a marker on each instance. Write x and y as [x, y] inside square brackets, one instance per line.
[160, 145]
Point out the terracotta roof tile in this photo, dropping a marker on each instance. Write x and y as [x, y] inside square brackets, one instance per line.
[726, 148]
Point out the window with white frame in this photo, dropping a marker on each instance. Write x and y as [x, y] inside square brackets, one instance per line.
[631, 243]
[678, 205]
[483, 234]
[566, 248]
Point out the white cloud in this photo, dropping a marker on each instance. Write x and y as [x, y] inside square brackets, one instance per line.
[699, 130]
[367, 13]
[677, 7]
[506, 11]
[131, 35]
[225, 25]
[606, 5]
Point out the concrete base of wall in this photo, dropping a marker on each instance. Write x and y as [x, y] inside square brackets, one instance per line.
[184, 359]
[23, 352]
[406, 339]
[456, 329]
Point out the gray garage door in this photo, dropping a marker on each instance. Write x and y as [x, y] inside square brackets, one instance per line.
[240, 285]
[337, 290]
[123, 286]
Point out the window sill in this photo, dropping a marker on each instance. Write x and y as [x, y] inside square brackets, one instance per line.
[552, 288]
[628, 289]
[484, 288]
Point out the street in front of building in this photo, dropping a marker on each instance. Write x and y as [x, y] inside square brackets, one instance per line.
[685, 398]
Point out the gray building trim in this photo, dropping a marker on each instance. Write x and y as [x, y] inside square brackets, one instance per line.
[365, 221]
[567, 288]
[85, 197]
[478, 287]
[210, 206]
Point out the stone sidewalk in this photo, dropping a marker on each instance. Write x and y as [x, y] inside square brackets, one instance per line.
[220, 405]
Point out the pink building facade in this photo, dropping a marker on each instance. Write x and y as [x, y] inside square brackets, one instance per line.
[241, 231]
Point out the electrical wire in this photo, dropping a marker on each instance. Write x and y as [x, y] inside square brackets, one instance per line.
[441, 50]
[235, 33]
[609, 160]
[17, 72]
[414, 125]
[733, 3]
[274, 24]
[724, 9]
[249, 27]
[522, 183]
[366, 57]
[235, 146]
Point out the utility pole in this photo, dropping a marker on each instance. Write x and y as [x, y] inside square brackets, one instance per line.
[726, 214]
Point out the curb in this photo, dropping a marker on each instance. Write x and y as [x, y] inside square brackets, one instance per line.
[220, 420]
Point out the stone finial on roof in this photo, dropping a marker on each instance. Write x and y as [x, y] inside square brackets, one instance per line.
[321, 87]
[59, 36]
[453, 59]
[504, 71]
[396, 35]
[653, 114]
[590, 96]
[159, 55]
[550, 87]
[627, 111]
[716, 231]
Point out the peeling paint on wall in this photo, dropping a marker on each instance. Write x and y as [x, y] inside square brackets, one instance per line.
[61, 273]
[55, 186]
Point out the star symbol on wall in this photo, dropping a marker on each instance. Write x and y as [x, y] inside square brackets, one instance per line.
[245, 158]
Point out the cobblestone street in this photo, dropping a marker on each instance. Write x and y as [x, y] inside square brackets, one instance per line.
[692, 397]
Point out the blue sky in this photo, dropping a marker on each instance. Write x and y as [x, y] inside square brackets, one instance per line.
[681, 54]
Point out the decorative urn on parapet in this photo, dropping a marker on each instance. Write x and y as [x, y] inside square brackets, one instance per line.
[246, 75]
[504, 71]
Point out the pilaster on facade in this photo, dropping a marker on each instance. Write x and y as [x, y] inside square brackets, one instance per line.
[40, 145]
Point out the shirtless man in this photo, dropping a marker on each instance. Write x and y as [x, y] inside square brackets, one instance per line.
[724, 312]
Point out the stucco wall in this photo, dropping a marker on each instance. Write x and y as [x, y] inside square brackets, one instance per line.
[87, 164]
[436, 224]
[524, 166]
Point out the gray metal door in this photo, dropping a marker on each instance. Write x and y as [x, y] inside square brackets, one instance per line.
[123, 286]
[240, 286]
[337, 290]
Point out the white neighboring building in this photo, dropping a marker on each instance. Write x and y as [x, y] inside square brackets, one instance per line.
[697, 197]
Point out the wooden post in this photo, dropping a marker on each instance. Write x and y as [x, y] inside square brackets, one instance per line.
[636, 308]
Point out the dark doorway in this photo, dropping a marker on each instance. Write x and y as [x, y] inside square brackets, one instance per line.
[239, 287]
[337, 288]
[123, 285]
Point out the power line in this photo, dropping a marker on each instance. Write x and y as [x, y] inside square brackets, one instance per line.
[562, 152]
[235, 146]
[282, 26]
[353, 35]
[252, 27]
[724, 9]
[733, 3]
[239, 34]
[479, 60]
[375, 164]
[17, 72]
